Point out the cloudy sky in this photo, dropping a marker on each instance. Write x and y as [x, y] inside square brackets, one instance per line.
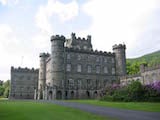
[26, 27]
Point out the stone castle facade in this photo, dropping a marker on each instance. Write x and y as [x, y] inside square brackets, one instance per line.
[73, 70]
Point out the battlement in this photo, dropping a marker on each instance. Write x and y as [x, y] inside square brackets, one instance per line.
[146, 68]
[57, 37]
[73, 37]
[119, 46]
[44, 55]
[96, 52]
[19, 69]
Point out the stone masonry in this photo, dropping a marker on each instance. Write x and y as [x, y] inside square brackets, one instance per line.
[73, 70]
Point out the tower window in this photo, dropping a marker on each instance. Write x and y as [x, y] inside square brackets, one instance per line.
[68, 56]
[68, 67]
[97, 59]
[79, 68]
[105, 69]
[113, 70]
[112, 60]
[105, 60]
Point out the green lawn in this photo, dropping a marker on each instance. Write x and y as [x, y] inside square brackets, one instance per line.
[27, 110]
[142, 106]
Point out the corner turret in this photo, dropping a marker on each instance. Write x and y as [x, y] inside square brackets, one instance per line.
[120, 57]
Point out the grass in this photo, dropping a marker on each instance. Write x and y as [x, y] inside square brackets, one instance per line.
[142, 106]
[29, 110]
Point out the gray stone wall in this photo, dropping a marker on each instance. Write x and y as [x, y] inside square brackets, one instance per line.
[146, 76]
[24, 82]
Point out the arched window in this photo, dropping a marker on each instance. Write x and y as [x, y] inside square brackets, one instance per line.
[79, 68]
[68, 67]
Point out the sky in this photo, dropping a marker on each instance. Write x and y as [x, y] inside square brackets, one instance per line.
[27, 25]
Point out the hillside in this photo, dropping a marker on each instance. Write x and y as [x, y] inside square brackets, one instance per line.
[149, 59]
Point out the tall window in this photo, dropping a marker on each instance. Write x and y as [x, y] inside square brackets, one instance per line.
[113, 71]
[71, 83]
[79, 83]
[79, 57]
[68, 56]
[105, 60]
[79, 68]
[89, 69]
[68, 67]
[97, 59]
[105, 69]
[112, 60]
[97, 69]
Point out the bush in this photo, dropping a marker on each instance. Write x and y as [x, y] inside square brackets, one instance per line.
[133, 92]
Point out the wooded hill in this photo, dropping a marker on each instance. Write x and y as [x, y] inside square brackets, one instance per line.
[149, 59]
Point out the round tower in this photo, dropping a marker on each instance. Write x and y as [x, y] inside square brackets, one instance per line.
[57, 62]
[42, 75]
[120, 59]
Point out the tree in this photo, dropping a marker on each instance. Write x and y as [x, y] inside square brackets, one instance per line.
[1, 90]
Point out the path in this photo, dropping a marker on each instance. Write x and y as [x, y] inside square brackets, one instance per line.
[121, 114]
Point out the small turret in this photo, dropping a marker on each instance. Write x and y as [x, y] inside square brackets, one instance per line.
[120, 57]
[42, 75]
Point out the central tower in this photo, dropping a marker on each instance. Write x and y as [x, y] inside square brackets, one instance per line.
[57, 64]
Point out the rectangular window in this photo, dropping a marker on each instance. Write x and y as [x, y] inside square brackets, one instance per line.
[68, 67]
[68, 56]
[113, 70]
[79, 68]
[105, 69]
[97, 69]
[89, 69]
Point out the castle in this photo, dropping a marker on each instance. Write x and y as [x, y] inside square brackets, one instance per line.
[73, 70]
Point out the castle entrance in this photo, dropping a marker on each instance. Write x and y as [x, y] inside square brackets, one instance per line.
[50, 95]
[59, 95]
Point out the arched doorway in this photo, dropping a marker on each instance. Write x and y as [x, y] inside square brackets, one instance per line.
[66, 94]
[59, 95]
[50, 95]
[72, 94]
[87, 94]
[95, 94]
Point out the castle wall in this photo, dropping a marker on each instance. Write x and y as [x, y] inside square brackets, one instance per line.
[24, 82]
[147, 75]
[88, 83]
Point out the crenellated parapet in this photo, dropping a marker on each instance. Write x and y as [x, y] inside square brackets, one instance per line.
[95, 52]
[19, 69]
[44, 55]
[57, 37]
[119, 46]
[73, 37]
[145, 68]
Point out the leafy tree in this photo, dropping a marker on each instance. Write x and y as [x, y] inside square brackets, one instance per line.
[1, 90]
[6, 86]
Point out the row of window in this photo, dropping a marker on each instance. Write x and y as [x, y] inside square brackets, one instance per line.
[98, 59]
[88, 83]
[89, 69]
